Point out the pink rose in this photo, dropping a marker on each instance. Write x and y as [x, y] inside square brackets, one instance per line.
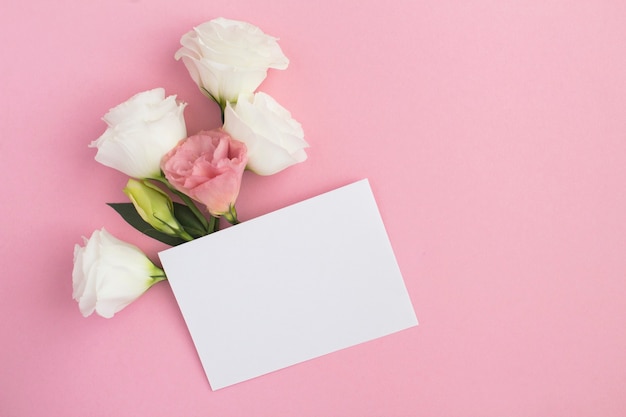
[208, 167]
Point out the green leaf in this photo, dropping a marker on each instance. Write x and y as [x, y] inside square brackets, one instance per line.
[188, 220]
[129, 213]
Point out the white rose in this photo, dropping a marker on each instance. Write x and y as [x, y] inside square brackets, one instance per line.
[274, 139]
[140, 131]
[228, 57]
[109, 274]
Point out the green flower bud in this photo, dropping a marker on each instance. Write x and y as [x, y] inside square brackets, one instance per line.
[155, 207]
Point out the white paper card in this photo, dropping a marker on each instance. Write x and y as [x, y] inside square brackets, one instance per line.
[289, 286]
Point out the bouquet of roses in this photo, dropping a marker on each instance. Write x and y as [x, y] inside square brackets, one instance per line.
[147, 140]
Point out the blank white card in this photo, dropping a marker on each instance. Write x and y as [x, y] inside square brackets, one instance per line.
[289, 286]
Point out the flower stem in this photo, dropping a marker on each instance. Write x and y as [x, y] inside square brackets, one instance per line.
[213, 224]
[184, 235]
[158, 278]
[177, 230]
[157, 274]
[188, 201]
[221, 103]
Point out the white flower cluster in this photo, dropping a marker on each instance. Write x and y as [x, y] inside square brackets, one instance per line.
[228, 60]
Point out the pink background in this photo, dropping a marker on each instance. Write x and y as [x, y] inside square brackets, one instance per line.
[494, 137]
